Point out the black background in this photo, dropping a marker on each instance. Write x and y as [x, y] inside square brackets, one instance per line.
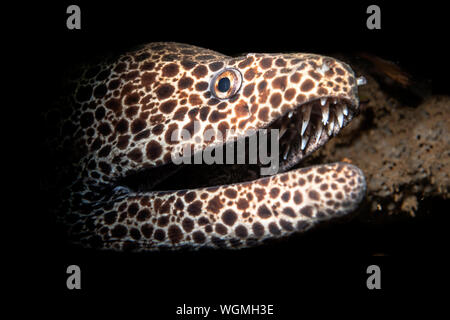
[324, 271]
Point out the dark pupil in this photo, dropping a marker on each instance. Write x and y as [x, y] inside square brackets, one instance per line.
[224, 85]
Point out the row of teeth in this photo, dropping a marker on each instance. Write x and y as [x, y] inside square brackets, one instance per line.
[329, 122]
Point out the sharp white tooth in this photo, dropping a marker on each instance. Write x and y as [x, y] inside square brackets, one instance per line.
[325, 114]
[340, 116]
[323, 101]
[334, 100]
[319, 129]
[304, 142]
[286, 152]
[282, 131]
[330, 126]
[345, 110]
[306, 113]
[290, 114]
[361, 81]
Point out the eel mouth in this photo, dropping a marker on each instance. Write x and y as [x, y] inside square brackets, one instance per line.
[301, 131]
[309, 126]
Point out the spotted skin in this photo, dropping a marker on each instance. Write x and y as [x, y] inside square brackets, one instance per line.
[119, 121]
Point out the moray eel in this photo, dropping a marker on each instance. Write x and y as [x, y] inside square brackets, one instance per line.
[115, 131]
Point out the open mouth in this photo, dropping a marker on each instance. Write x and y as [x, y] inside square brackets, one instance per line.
[310, 126]
[301, 131]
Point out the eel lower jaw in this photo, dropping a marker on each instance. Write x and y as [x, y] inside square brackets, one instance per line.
[309, 126]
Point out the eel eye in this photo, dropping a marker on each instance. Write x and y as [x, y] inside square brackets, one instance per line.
[226, 83]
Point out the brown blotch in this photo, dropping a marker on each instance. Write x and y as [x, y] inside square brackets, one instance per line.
[175, 234]
[135, 155]
[230, 193]
[242, 204]
[200, 71]
[322, 91]
[159, 235]
[148, 78]
[298, 198]
[289, 94]
[168, 106]
[248, 90]
[204, 111]
[260, 193]
[216, 116]
[269, 74]
[188, 64]
[221, 229]
[314, 195]
[273, 229]
[214, 205]
[295, 78]
[201, 86]
[266, 63]
[185, 82]
[302, 225]
[119, 231]
[190, 196]
[258, 229]
[339, 71]
[198, 237]
[147, 230]
[307, 211]
[158, 129]
[301, 98]
[263, 114]
[223, 127]
[315, 75]
[275, 99]
[249, 74]
[163, 221]
[264, 212]
[179, 205]
[164, 91]
[195, 100]
[241, 110]
[143, 215]
[187, 224]
[262, 86]
[241, 231]
[229, 217]
[110, 217]
[154, 150]
[195, 208]
[215, 66]
[274, 192]
[289, 212]
[280, 83]
[286, 225]
[168, 136]
[307, 85]
[246, 62]
[170, 70]
[286, 196]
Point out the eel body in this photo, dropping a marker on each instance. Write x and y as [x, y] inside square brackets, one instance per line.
[116, 126]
